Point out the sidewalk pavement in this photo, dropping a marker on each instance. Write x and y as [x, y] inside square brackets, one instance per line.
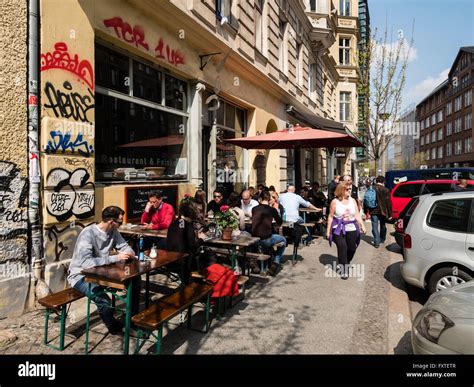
[305, 309]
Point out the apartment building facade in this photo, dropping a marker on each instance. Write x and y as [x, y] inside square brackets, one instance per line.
[446, 117]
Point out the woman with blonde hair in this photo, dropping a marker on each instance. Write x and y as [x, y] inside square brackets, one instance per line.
[344, 226]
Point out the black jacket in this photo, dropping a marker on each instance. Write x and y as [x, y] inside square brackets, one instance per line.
[384, 204]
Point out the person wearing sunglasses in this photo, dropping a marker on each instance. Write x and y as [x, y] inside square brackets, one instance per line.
[344, 227]
[93, 248]
[218, 201]
[158, 215]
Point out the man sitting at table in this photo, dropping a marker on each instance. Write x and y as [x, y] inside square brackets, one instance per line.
[215, 205]
[291, 202]
[248, 203]
[93, 248]
[262, 217]
[158, 215]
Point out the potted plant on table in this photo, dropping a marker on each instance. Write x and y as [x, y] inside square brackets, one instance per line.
[227, 222]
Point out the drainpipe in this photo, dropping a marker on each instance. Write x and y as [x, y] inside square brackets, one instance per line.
[34, 177]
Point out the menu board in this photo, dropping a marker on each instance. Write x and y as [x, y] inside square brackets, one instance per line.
[137, 197]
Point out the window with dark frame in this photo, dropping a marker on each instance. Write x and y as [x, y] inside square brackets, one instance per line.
[138, 102]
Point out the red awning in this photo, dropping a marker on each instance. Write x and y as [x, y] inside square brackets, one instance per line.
[155, 142]
[297, 137]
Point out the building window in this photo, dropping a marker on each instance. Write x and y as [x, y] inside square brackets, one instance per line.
[449, 108]
[427, 122]
[440, 152]
[468, 121]
[468, 98]
[440, 134]
[345, 51]
[458, 125]
[299, 64]
[345, 7]
[223, 9]
[427, 155]
[312, 5]
[458, 103]
[458, 147]
[449, 128]
[260, 27]
[283, 54]
[422, 140]
[449, 149]
[312, 81]
[422, 124]
[433, 119]
[427, 139]
[440, 116]
[344, 106]
[433, 136]
[309, 165]
[433, 153]
[468, 145]
[129, 119]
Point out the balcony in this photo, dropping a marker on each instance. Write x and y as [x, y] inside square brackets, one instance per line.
[322, 34]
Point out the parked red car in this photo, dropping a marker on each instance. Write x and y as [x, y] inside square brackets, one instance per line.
[403, 192]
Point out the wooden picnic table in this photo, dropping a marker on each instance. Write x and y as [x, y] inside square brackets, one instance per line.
[237, 242]
[119, 275]
[139, 230]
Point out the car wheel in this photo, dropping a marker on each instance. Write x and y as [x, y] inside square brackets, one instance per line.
[447, 277]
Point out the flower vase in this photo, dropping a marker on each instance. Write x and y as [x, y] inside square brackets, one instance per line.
[227, 234]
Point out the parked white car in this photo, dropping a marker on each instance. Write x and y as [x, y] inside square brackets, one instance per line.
[438, 242]
[445, 325]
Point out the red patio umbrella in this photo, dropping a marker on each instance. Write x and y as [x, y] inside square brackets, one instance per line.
[297, 137]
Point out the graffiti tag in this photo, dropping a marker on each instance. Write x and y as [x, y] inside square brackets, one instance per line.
[68, 103]
[65, 142]
[61, 59]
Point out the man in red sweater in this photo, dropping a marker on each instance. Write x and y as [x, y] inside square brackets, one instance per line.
[158, 215]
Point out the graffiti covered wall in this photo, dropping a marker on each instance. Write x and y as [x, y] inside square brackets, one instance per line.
[14, 269]
[67, 131]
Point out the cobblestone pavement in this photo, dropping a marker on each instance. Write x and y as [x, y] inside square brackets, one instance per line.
[305, 309]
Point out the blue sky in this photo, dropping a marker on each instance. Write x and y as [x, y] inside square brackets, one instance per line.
[441, 28]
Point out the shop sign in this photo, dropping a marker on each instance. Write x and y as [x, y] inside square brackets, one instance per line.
[340, 155]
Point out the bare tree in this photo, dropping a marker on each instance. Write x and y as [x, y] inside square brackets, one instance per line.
[387, 61]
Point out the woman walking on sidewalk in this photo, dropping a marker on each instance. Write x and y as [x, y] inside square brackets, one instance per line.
[344, 226]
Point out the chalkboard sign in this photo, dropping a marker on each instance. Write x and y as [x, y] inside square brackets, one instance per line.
[137, 197]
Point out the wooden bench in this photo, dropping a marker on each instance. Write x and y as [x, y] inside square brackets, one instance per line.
[153, 318]
[262, 258]
[57, 303]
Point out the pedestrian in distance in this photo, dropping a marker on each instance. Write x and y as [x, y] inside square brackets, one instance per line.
[379, 209]
[344, 227]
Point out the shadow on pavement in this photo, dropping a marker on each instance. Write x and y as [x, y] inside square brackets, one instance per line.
[394, 276]
[404, 345]
[327, 259]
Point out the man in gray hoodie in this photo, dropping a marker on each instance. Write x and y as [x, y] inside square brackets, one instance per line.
[93, 247]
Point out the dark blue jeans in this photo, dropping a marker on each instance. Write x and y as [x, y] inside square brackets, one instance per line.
[379, 237]
[103, 302]
[273, 240]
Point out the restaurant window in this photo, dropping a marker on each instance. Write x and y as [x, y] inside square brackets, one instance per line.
[140, 130]
[344, 51]
[344, 106]
[290, 167]
[231, 122]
